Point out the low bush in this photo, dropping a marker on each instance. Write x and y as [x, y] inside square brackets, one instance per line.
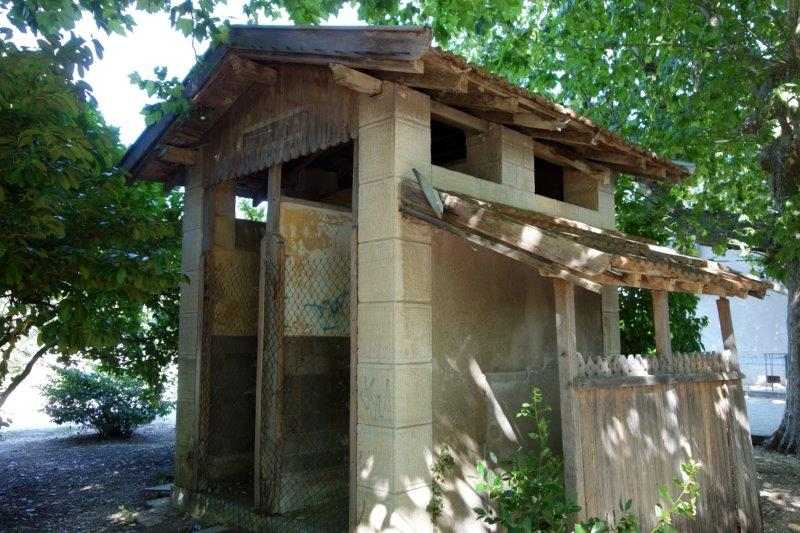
[528, 495]
[113, 405]
[528, 492]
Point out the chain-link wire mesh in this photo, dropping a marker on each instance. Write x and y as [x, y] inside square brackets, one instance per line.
[305, 390]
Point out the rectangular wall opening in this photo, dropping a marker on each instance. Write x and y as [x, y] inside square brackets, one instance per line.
[448, 145]
[565, 184]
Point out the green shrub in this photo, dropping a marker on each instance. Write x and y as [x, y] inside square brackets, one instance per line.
[528, 494]
[113, 405]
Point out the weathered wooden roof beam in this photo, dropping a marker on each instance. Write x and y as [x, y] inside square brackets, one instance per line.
[524, 119]
[177, 155]
[456, 117]
[486, 102]
[355, 80]
[561, 156]
[562, 250]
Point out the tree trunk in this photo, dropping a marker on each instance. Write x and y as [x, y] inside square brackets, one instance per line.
[781, 159]
[786, 438]
[19, 378]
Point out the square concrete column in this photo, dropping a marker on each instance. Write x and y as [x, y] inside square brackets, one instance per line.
[208, 221]
[189, 328]
[394, 419]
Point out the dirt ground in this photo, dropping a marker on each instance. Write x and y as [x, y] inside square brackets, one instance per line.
[780, 490]
[59, 480]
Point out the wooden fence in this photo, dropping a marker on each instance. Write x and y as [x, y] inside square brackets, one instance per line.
[639, 418]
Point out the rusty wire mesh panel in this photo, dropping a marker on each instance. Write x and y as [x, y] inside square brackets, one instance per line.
[305, 391]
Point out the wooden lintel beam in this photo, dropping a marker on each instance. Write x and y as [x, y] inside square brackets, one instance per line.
[433, 81]
[178, 155]
[486, 102]
[528, 120]
[245, 68]
[355, 80]
[455, 117]
[564, 158]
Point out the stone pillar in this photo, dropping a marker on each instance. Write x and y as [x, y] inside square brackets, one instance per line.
[661, 324]
[610, 306]
[394, 418]
[189, 328]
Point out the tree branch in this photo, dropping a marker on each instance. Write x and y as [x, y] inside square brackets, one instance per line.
[22, 375]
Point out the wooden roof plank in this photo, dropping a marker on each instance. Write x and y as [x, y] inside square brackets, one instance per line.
[569, 249]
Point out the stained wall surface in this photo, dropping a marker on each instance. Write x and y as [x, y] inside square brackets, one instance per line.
[232, 288]
[493, 338]
[316, 347]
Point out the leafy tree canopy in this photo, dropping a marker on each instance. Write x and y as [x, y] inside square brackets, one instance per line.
[86, 261]
[714, 83]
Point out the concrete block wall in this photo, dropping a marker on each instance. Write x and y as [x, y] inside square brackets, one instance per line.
[501, 155]
[216, 354]
[394, 425]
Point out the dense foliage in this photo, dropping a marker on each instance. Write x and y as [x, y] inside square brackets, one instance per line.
[528, 493]
[89, 264]
[113, 405]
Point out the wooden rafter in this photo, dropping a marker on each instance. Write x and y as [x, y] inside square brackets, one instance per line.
[524, 119]
[563, 157]
[486, 102]
[456, 117]
[177, 155]
[355, 80]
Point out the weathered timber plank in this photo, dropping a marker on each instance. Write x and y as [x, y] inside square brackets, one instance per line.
[566, 347]
[661, 324]
[355, 80]
[456, 117]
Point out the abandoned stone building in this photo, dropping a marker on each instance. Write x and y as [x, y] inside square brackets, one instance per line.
[436, 243]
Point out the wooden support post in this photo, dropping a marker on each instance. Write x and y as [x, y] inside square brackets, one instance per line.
[661, 324]
[270, 364]
[726, 327]
[566, 344]
[610, 310]
[353, 442]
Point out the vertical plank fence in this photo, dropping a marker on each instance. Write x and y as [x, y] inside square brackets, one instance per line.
[641, 417]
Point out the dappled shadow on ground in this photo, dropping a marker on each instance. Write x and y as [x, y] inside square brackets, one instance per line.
[59, 480]
[780, 490]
